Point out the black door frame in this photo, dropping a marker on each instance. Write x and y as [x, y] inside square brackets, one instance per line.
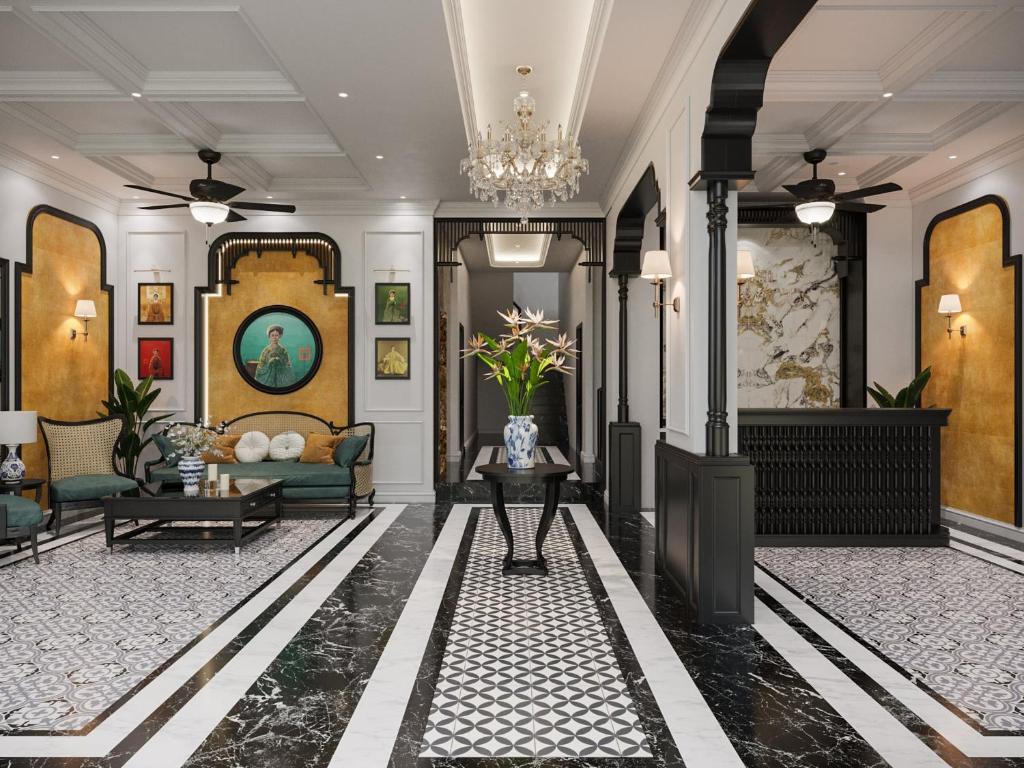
[450, 232]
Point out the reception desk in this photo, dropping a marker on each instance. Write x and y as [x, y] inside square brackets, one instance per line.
[845, 476]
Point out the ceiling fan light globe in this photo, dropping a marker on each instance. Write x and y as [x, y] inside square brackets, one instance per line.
[815, 212]
[208, 212]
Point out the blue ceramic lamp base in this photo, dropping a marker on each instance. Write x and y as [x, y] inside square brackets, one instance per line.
[12, 469]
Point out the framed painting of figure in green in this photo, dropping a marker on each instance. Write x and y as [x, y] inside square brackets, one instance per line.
[391, 303]
[277, 349]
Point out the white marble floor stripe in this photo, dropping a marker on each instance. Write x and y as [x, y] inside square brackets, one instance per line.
[885, 734]
[1015, 553]
[487, 454]
[370, 735]
[648, 515]
[982, 554]
[172, 745]
[46, 542]
[103, 738]
[694, 728]
[959, 733]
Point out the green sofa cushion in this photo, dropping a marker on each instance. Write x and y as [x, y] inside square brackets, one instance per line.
[348, 450]
[294, 474]
[21, 512]
[166, 447]
[86, 487]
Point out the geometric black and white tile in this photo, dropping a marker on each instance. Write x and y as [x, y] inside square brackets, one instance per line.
[529, 669]
[952, 622]
[101, 622]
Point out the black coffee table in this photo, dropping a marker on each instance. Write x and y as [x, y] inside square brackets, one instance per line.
[256, 499]
[549, 474]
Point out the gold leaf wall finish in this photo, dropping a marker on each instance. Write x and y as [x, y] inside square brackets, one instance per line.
[58, 377]
[276, 277]
[973, 375]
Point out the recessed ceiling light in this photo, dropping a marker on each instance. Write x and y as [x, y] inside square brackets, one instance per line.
[135, 197]
[270, 197]
[342, 95]
[952, 157]
[518, 245]
[401, 197]
[842, 173]
[55, 157]
[136, 95]
[380, 157]
[887, 95]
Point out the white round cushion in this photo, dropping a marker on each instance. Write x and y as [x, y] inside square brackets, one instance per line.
[286, 446]
[252, 447]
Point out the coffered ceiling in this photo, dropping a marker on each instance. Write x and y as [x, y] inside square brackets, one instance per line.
[955, 72]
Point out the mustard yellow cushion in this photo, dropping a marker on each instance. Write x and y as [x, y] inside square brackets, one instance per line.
[223, 451]
[320, 448]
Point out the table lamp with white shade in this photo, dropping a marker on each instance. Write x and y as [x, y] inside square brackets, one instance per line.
[16, 428]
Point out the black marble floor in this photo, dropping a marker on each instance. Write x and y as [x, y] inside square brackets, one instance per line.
[329, 649]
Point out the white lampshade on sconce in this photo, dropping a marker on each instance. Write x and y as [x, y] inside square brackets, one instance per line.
[85, 310]
[656, 268]
[16, 428]
[815, 212]
[949, 305]
[744, 266]
[208, 212]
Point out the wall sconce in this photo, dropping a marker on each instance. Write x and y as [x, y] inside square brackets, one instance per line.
[949, 305]
[744, 266]
[84, 309]
[656, 269]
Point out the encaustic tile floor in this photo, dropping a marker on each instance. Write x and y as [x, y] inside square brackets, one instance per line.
[393, 640]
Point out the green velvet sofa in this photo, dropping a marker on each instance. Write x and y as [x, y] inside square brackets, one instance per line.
[303, 483]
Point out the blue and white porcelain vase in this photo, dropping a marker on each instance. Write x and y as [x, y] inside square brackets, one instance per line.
[12, 470]
[520, 441]
[190, 470]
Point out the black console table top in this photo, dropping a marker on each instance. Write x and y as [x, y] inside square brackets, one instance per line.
[549, 474]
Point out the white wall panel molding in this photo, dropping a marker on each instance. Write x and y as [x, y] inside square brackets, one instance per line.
[401, 462]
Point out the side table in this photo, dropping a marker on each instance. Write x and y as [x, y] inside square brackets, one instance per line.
[549, 474]
[25, 484]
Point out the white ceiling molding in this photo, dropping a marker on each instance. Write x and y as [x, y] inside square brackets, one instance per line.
[776, 171]
[19, 162]
[884, 144]
[102, 144]
[41, 122]
[251, 174]
[839, 121]
[967, 86]
[572, 210]
[780, 144]
[825, 85]
[220, 86]
[125, 169]
[986, 162]
[460, 60]
[885, 170]
[286, 185]
[696, 27]
[57, 86]
[305, 145]
[974, 117]
[599, 16]
[186, 122]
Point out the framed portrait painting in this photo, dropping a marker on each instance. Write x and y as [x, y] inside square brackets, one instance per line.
[156, 358]
[392, 358]
[391, 303]
[156, 303]
[277, 349]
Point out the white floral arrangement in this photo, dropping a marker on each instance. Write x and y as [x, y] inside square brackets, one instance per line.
[192, 439]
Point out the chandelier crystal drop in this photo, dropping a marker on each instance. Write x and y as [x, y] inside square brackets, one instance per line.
[523, 164]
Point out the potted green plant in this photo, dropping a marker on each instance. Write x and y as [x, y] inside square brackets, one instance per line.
[522, 362]
[908, 397]
[132, 402]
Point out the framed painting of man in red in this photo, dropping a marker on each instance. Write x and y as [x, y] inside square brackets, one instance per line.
[156, 358]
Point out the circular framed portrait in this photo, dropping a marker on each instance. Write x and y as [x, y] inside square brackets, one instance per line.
[277, 349]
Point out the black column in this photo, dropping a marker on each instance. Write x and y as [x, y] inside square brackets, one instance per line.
[717, 426]
[623, 412]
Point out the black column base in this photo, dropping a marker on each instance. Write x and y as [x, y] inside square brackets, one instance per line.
[624, 467]
[705, 531]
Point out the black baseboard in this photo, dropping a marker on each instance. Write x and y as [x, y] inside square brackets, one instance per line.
[938, 539]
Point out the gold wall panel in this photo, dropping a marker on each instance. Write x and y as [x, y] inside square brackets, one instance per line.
[276, 277]
[975, 375]
[59, 377]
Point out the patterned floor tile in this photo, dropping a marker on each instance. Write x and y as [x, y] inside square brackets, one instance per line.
[529, 669]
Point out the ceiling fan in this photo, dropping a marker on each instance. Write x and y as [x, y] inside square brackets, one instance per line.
[818, 199]
[208, 203]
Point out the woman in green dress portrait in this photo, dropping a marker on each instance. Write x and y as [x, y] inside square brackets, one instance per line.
[274, 368]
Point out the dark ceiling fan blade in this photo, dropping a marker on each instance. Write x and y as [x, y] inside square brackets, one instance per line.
[158, 192]
[214, 189]
[263, 207]
[878, 189]
[161, 207]
[232, 216]
[843, 205]
[795, 189]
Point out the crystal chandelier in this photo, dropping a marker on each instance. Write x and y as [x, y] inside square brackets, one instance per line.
[523, 164]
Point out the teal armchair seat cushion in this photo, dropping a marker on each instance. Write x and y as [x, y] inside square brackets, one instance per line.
[87, 487]
[21, 512]
[295, 474]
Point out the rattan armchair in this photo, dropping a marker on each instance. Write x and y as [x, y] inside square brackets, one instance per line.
[81, 462]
